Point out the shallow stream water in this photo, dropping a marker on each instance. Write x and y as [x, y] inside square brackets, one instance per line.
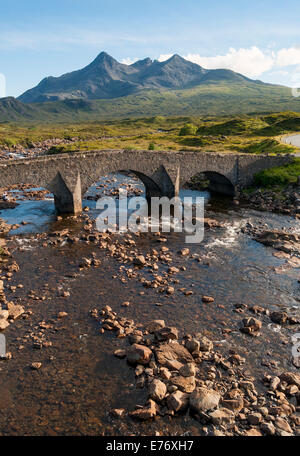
[80, 381]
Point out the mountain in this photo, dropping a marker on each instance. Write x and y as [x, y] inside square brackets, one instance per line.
[107, 89]
[13, 109]
[106, 78]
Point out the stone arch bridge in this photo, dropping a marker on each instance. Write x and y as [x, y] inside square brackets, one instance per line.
[69, 175]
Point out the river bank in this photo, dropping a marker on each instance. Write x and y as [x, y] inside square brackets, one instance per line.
[285, 200]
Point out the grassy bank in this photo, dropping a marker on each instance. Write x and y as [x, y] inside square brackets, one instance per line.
[279, 177]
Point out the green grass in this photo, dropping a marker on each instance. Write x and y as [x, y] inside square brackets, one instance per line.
[278, 177]
[188, 129]
[269, 146]
[242, 134]
[238, 126]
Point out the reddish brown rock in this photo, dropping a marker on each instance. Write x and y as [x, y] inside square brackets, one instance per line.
[145, 413]
[208, 299]
[15, 310]
[139, 354]
[178, 401]
[157, 390]
[166, 354]
[185, 384]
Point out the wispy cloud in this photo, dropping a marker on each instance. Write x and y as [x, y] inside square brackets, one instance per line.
[2, 85]
[70, 36]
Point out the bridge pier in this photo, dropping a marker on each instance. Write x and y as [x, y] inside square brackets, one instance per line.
[67, 194]
[68, 203]
[160, 183]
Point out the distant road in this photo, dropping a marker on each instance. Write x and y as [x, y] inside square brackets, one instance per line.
[293, 140]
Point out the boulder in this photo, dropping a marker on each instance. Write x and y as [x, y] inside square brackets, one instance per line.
[157, 390]
[185, 384]
[279, 318]
[184, 252]
[15, 310]
[268, 428]
[165, 373]
[172, 354]
[283, 425]
[166, 333]
[204, 399]
[178, 401]
[292, 378]
[222, 416]
[154, 325]
[254, 418]
[193, 345]
[206, 345]
[139, 260]
[3, 324]
[253, 432]
[188, 370]
[235, 405]
[120, 353]
[118, 413]
[4, 314]
[139, 354]
[251, 326]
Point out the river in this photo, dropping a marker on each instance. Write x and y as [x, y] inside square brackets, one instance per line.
[80, 381]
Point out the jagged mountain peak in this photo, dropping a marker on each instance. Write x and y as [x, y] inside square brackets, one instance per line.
[142, 63]
[103, 57]
[105, 78]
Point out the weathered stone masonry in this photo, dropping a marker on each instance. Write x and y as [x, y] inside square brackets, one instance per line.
[68, 176]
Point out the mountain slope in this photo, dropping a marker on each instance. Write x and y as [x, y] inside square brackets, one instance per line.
[211, 98]
[106, 78]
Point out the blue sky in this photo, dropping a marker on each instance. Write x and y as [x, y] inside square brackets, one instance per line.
[260, 38]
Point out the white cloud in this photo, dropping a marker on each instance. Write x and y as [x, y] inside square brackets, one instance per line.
[128, 61]
[251, 62]
[164, 57]
[286, 57]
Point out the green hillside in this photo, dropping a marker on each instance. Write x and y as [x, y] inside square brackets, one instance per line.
[206, 99]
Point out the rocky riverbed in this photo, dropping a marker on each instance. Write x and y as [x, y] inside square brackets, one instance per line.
[33, 149]
[286, 201]
[142, 334]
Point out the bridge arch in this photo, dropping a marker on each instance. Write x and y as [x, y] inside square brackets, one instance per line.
[213, 181]
[151, 187]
